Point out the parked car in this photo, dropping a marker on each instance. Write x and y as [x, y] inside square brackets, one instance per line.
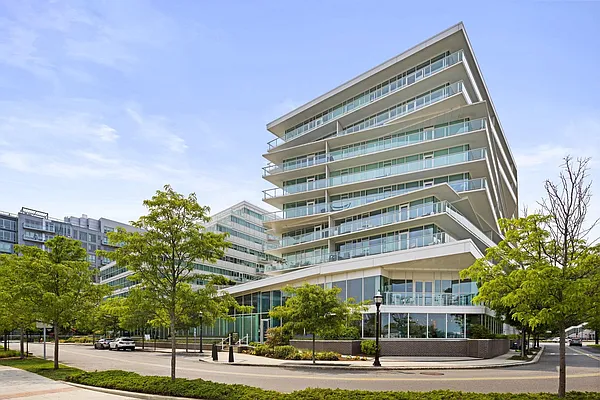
[575, 342]
[516, 344]
[102, 344]
[122, 343]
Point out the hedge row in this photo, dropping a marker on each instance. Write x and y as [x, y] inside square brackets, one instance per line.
[9, 353]
[201, 389]
[291, 353]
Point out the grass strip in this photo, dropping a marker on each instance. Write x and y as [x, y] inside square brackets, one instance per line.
[42, 367]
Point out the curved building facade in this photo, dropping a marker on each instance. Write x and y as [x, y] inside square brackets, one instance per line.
[392, 182]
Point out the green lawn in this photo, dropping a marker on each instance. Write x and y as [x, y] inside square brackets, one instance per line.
[595, 346]
[42, 367]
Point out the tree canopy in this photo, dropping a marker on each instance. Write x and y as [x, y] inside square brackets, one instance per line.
[316, 311]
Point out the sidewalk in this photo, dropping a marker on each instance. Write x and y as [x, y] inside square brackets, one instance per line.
[16, 383]
[387, 363]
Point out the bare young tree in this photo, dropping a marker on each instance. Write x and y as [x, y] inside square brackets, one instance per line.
[567, 205]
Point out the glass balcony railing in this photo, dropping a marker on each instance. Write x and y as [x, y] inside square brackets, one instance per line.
[403, 214]
[36, 237]
[378, 173]
[369, 97]
[403, 244]
[339, 205]
[39, 227]
[368, 148]
[427, 299]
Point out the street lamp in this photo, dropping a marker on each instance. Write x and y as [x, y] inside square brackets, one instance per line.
[201, 351]
[378, 298]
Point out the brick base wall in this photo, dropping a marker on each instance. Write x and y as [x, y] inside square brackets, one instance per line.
[345, 347]
[478, 348]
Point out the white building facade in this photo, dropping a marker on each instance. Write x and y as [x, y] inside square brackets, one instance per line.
[244, 260]
[391, 182]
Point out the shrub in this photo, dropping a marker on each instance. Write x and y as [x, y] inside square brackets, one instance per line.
[201, 389]
[263, 350]
[368, 347]
[284, 352]
[346, 333]
[9, 353]
[480, 332]
[328, 356]
[277, 336]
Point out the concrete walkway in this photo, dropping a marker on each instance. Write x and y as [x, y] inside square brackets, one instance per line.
[18, 384]
[388, 363]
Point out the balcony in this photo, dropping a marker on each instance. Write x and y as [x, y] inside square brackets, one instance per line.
[39, 227]
[378, 173]
[404, 243]
[427, 299]
[340, 205]
[369, 97]
[401, 215]
[36, 237]
[397, 142]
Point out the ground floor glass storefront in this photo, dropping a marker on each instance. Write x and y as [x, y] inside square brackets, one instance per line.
[404, 288]
[427, 325]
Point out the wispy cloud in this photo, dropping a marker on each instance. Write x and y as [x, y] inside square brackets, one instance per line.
[157, 128]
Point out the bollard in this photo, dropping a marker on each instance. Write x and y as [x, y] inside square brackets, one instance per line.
[215, 353]
[230, 354]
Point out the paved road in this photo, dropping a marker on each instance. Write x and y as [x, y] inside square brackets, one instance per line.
[583, 372]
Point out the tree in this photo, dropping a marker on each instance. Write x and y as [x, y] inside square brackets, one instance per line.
[316, 310]
[162, 254]
[139, 311]
[110, 314]
[60, 282]
[545, 271]
[16, 305]
[503, 269]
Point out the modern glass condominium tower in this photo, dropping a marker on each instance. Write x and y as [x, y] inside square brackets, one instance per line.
[392, 182]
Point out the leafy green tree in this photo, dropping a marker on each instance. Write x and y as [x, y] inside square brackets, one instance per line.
[162, 254]
[316, 310]
[60, 283]
[139, 311]
[16, 303]
[503, 269]
[110, 314]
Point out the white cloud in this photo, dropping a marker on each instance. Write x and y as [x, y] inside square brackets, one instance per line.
[157, 128]
[541, 155]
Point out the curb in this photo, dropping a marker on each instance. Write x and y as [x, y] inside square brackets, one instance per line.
[134, 395]
[384, 368]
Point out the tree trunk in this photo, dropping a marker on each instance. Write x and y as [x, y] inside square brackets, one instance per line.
[143, 337]
[523, 353]
[186, 340]
[562, 371]
[6, 347]
[56, 341]
[173, 346]
[313, 353]
[596, 336]
[21, 344]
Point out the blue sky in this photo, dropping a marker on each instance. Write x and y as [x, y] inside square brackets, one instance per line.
[103, 102]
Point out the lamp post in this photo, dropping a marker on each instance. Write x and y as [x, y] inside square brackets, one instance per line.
[201, 351]
[378, 298]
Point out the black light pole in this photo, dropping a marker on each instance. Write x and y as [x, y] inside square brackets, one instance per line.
[201, 351]
[378, 300]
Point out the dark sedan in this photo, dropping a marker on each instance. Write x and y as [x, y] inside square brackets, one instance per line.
[102, 344]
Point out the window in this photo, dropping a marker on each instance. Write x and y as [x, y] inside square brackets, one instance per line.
[456, 326]
[437, 326]
[398, 325]
[355, 289]
[418, 325]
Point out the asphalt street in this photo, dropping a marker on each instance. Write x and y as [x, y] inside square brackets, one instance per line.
[583, 372]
